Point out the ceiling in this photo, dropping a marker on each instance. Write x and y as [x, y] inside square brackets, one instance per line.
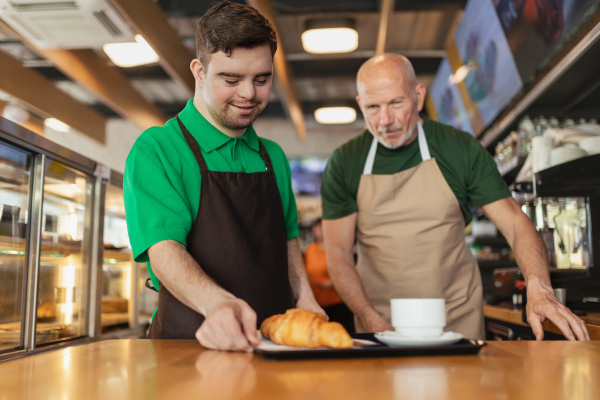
[90, 88]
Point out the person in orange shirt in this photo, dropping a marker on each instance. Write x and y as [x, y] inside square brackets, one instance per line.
[322, 286]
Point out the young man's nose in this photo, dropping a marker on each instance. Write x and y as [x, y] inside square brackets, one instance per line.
[247, 90]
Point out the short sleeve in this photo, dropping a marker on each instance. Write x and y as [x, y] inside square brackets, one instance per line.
[337, 199]
[155, 211]
[484, 182]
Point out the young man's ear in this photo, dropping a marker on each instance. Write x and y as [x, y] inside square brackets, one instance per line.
[198, 71]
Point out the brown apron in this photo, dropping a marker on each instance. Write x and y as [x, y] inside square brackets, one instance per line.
[239, 239]
[411, 243]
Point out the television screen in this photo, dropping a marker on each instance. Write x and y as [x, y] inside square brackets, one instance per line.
[448, 106]
[491, 79]
[307, 173]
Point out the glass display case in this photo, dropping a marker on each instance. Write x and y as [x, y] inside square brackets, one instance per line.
[67, 274]
[126, 302]
[15, 166]
[64, 256]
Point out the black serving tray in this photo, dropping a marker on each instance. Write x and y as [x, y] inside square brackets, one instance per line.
[463, 347]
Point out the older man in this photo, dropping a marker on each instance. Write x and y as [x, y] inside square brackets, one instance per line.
[401, 189]
[209, 204]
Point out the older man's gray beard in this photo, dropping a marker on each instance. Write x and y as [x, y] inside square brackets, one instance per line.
[405, 138]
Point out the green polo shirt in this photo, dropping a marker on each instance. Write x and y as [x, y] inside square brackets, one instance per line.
[162, 178]
[467, 167]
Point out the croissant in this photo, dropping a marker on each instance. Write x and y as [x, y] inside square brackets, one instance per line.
[306, 328]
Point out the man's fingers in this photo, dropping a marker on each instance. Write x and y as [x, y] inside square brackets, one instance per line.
[248, 320]
[536, 326]
[587, 334]
[223, 329]
[573, 326]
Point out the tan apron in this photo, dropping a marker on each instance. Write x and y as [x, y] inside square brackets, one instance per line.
[411, 243]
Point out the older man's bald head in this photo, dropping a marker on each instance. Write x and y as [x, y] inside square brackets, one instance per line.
[389, 65]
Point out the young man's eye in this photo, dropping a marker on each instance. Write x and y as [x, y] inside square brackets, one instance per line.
[230, 82]
[261, 81]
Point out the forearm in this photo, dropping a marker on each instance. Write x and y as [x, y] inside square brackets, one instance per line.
[183, 277]
[530, 253]
[347, 282]
[297, 271]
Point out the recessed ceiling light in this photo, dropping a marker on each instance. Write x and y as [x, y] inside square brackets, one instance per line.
[335, 115]
[324, 36]
[131, 54]
[56, 125]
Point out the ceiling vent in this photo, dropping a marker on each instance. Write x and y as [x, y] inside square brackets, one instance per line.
[72, 24]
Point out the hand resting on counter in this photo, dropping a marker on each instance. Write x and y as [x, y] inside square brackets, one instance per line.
[542, 305]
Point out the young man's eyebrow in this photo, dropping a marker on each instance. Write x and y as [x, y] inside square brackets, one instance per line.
[263, 74]
[232, 75]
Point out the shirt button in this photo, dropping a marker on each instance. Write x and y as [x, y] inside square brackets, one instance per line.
[242, 169]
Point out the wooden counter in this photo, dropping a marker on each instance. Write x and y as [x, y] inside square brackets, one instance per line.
[592, 320]
[182, 369]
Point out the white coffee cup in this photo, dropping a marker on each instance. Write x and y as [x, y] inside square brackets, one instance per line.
[418, 317]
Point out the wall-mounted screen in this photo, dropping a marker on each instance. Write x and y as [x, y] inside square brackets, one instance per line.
[491, 77]
[307, 173]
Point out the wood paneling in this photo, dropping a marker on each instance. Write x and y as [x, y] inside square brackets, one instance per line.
[46, 99]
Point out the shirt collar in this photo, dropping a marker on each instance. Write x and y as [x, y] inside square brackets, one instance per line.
[207, 135]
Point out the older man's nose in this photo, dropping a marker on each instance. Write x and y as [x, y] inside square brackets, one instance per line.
[386, 117]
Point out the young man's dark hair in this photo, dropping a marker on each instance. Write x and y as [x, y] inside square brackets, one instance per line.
[215, 32]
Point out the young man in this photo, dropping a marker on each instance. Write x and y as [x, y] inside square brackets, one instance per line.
[401, 189]
[209, 205]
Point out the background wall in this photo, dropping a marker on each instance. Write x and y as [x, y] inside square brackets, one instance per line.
[121, 134]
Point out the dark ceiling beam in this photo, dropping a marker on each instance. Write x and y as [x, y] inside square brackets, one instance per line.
[87, 68]
[149, 20]
[365, 54]
[291, 7]
[43, 97]
[289, 93]
[387, 9]
[92, 71]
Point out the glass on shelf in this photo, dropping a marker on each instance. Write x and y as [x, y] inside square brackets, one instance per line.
[15, 167]
[63, 284]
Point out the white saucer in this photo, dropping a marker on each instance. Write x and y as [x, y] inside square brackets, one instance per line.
[394, 339]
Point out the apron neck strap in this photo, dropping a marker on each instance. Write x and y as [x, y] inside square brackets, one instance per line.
[368, 170]
[423, 143]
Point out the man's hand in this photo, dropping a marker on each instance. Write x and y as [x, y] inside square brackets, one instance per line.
[371, 321]
[308, 303]
[542, 304]
[229, 325]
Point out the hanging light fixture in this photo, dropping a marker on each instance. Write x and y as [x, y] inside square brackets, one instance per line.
[335, 115]
[131, 54]
[330, 35]
[56, 125]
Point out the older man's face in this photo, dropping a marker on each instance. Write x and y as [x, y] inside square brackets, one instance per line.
[390, 106]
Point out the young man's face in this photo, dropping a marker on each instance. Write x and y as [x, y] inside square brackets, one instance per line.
[236, 88]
